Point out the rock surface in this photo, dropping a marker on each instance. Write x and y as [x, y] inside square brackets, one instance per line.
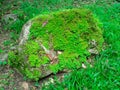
[9, 18]
[3, 57]
[25, 32]
[58, 41]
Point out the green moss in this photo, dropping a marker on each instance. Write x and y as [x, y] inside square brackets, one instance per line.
[11, 58]
[28, 61]
[31, 47]
[34, 60]
[33, 74]
[68, 31]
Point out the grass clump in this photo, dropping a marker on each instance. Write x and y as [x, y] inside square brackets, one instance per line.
[69, 31]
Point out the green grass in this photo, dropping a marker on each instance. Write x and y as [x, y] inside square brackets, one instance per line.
[28, 9]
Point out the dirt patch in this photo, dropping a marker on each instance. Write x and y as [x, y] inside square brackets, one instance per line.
[12, 80]
[4, 36]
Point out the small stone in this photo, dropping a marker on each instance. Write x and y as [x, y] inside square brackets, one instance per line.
[59, 52]
[93, 51]
[46, 83]
[9, 18]
[83, 65]
[25, 85]
[93, 42]
[3, 57]
[51, 80]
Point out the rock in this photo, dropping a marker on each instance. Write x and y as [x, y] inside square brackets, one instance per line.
[93, 51]
[3, 57]
[51, 80]
[25, 86]
[59, 52]
[9, 18]
[25, 32]
[56, 42]
[84, 66]
[93, 43]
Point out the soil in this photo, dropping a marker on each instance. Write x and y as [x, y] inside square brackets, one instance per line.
[10, 79]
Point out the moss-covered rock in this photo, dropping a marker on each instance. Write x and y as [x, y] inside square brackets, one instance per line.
[57, 41]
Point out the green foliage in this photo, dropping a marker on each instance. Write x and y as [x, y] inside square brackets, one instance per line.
[55, 68]
[28, 61]
[32, 74]
[2, 63]
[11, 58]
[31, 48]
[26, 10]
[34, 60]
[105, 74]
[69, 31]
[110, 17]
[13, 36]
[7, 42]
[1, 50]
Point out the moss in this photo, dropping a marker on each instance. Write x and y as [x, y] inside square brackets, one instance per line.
[31, 47]
[33, 74]
[28, 60]
[11, 58]
[68, 31]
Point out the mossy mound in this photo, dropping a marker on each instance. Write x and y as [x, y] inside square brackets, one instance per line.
[58, 41]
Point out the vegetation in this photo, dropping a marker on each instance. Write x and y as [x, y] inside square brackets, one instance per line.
[68, 31]
[105, 74]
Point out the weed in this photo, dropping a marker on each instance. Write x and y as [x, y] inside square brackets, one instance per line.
[2, 63]
[6, 80]
[6, 42]
[1, 51]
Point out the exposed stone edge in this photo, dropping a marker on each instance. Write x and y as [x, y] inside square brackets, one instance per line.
[24, 33]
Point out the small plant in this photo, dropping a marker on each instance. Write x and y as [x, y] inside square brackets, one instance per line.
[2, 63]
[13, 36]
[1, 88]
[7, 42]
[1, 51]
[37, 84]
[6, 79]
